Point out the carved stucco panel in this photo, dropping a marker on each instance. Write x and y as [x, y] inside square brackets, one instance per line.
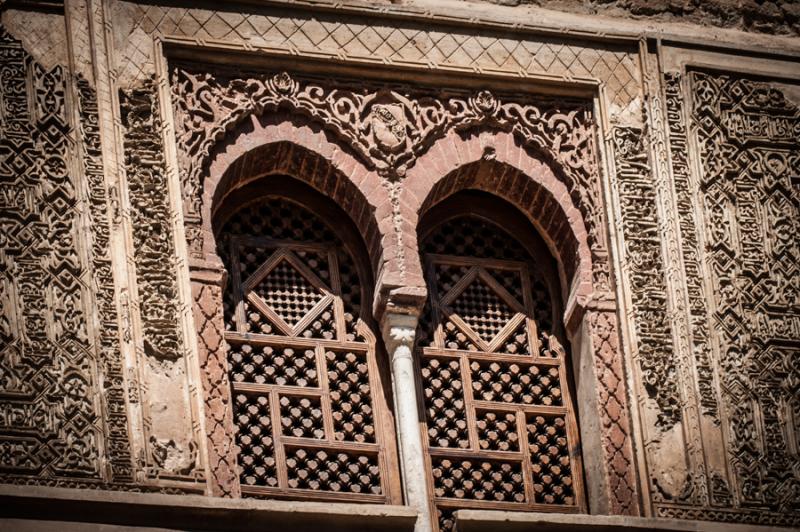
[62, 375]
[388, 128]
[173, 450]
[400, 42]
[746, 165]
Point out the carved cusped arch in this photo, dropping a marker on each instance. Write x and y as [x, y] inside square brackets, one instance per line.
[497, 163]
[285, 145]
[501, 164]
[270, 155]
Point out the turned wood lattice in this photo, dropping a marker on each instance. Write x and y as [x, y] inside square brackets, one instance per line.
[501, 429]
[306, 398]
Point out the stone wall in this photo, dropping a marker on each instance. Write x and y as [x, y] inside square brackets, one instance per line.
[778, 17]
[662, 173]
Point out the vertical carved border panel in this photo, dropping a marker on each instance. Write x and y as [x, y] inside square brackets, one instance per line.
[704, 384]
[736, 186]
[50, 416]
[207, 288]
[654, 364]
[118, 444]
[617, 442]
[170, 432]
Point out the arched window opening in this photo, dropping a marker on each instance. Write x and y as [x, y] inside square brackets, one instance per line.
[501, 425]
[311, 417]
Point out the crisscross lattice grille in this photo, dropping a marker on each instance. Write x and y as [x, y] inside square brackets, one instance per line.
[307, 406]
[501, 427]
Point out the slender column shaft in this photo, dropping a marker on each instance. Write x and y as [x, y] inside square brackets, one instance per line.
[399, 331]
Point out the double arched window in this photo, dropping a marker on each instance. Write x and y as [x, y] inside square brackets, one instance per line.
[308, 373]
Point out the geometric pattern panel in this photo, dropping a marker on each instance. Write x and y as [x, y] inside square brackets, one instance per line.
[289, 294]
[51, 420]
[500, 420]
[303, 375]
[748, 135]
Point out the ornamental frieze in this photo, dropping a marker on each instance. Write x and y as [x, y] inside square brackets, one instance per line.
[388, 127]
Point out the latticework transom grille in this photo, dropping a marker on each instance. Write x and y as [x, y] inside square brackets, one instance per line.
[500, 423]
[482, 310]
[308, 413]
[290, 295]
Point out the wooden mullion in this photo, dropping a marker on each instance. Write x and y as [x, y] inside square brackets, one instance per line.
[312, 314]
[267, 242]
[355, 447]
[532, 328]
[492, 357]
[313, 495]
[294, 391]
[534, 409]
[322, 376]
[573, 437]
[466, 329]
[492, 456]
[506, 331]
[469, 410]
[262, 271]
[338, 304]
[265, 309]
[433, 301]
[500, 290]
[449, 503]
[277, 436]
[236, 283]
[298, 342]
[459, 287]
[527, 473]
[306, 272]
[454, 260]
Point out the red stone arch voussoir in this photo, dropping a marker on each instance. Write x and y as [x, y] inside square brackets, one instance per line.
[260, 147]
[291, 145]
[498, 163]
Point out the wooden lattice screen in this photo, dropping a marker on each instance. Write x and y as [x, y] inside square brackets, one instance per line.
[311, 420]
[501, 429]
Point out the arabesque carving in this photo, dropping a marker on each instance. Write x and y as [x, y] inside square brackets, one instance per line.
[50, 418]
[117, 439]
[748, 136]
[171, 448]
[389, 128]
[646, 279]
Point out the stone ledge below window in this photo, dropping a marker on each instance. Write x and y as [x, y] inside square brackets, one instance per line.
[29, 508]
[497, 521]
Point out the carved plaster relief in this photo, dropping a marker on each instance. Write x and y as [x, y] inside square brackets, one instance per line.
[54, 355]
[171, 438]
[747, 136]
[400, 43]
[388, 127]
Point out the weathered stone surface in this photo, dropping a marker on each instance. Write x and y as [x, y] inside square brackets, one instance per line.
[776, 16]
[655, 153]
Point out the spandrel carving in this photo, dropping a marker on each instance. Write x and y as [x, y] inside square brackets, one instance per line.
[388, 128]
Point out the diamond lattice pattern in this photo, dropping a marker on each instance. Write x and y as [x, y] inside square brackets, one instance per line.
[288, 293]
[482, 309]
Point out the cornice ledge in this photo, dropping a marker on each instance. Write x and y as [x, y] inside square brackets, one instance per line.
[550, 22]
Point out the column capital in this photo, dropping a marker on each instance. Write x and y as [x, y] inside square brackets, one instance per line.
[399, 331]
